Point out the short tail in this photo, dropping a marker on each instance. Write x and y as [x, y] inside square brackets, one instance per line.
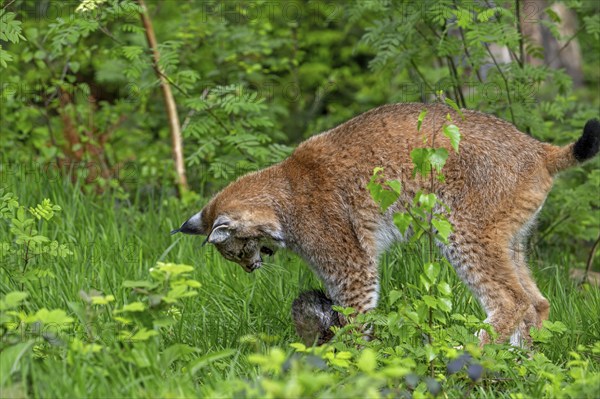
[561, 158]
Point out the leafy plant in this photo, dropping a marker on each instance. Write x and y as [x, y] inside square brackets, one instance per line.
[28, 245]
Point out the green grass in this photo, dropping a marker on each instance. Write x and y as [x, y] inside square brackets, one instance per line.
[116, 239]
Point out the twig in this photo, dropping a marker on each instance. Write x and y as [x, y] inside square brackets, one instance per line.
[416, 68]
[510, 106]
[564, 46]
[588, 267]
[521, 61]
[105, 30]
[8, 5]
[460, 98]
[551, 228]
[468, 54]
[170, 105]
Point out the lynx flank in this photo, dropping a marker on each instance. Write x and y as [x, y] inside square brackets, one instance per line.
[316, 204]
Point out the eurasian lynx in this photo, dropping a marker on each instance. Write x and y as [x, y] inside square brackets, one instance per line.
[316, 203]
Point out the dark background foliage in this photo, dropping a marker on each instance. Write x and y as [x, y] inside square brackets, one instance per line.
[96, 96]
[80, 95]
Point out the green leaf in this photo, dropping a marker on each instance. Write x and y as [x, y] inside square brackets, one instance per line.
[387, 198]
[485, 15]
[12, 300]
[192, 283]
[438, 158]
[393, 296]
[425, 282]
[10, 361]
[432, 270]
[444, 304]
[443, 227]
[452, 132]
[74, 66]
[429, 353]
[384, 196]
[102, 300]
[175, 352]
[394, 371]
[142, 335]
[132, 52]
[299, 347]
[413, 316]
[57, 318]
[444, 288]
[420, 119]
[553, 15]
[395, 185]
[402, 221]
[427, 201]
[420, 159]
[195, 365]
[133, 307]
[139, 284]
[10, 28]
[169, 270]
[543, 335]
[557, 326]
[367, 362]
[5, 57]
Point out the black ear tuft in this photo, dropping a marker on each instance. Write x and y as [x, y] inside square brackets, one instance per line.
[589, 143]
[191, 226]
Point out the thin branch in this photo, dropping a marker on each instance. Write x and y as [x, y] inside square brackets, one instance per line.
[169, 100]
[8, 5]
[551, 229]
[468, 54]
[588, 266]
[108, 33]
[521, 61]
[165, 78]
[192, 112]
[564, 46]
[510, 106]
[414, 65]
[460, 98]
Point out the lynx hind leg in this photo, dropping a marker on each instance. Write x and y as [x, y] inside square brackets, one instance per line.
[313, 317]
[486, 267]
[539, 309]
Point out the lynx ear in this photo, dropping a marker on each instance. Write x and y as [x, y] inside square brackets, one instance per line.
[191, 226]
[219, 234]
[221, 230]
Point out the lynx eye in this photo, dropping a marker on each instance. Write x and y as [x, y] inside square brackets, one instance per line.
[266, 250]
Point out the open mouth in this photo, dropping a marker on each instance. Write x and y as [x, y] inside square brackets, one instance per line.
[253, 267]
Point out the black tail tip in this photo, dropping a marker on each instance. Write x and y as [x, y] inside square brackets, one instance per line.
[589, 143]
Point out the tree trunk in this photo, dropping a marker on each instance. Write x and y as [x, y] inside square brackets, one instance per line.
[564, 53]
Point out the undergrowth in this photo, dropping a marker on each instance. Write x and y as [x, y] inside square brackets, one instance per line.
[92, 306]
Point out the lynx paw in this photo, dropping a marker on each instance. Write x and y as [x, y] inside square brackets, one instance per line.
[313, 317]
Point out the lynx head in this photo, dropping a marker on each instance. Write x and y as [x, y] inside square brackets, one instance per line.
[241, 236]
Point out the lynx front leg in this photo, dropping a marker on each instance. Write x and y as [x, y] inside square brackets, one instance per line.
[357, 289]
[312, 311]
[356, 286]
